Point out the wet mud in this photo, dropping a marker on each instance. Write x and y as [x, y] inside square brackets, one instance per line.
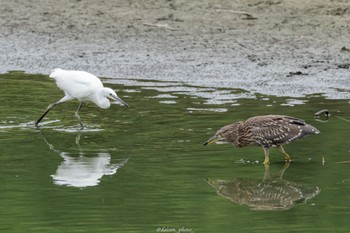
[274, 47]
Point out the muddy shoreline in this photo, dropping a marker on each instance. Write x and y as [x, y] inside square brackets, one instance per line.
[273, 47]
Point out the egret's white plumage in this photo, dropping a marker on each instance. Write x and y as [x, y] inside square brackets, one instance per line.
[82, 86]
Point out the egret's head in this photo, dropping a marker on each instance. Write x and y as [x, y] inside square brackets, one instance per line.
[227, 134]
[109, 93]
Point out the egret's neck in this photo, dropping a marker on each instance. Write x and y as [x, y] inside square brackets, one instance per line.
[102, 101]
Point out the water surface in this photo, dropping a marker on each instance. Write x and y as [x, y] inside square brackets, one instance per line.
[144, 168]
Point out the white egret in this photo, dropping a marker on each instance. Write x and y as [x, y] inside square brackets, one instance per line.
[82, 86]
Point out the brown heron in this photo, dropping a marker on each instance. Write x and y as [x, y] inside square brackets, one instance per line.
[265, 131]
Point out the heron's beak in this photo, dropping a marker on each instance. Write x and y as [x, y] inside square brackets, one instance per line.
[212, 182]
[212, 140]
[116, 98]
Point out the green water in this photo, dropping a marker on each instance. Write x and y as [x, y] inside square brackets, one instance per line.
[144, 168]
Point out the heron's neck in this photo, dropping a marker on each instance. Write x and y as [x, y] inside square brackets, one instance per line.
[234, 135]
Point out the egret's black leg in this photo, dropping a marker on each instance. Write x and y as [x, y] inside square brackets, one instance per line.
[77, 114]
[47, 110]
[64, 99]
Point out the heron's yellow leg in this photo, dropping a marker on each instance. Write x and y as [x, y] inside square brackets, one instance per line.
[281, 172]
[286, 156]
[266, 153]
[267, 172]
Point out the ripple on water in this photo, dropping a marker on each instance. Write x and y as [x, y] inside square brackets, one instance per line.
[77, 129]
[210, 94]
[207, 109]
[293, 102]
[168, 102]
[25, 125]
[164, 96]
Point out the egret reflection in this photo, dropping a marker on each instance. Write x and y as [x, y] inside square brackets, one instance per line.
[269, 193]
[83, 168]
[84, 171]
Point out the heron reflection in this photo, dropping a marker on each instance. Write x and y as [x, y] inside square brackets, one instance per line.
[270, 193]
[83, 168]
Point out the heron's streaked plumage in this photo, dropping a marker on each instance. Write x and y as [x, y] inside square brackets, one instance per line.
[266, 131]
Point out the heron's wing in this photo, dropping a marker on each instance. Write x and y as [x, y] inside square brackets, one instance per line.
[276, 129]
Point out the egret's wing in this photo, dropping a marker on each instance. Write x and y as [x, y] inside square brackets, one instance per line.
[78, 84]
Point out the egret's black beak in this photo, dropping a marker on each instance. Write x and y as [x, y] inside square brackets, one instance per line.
[123, 102]
[116, 98]
[212, 140]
